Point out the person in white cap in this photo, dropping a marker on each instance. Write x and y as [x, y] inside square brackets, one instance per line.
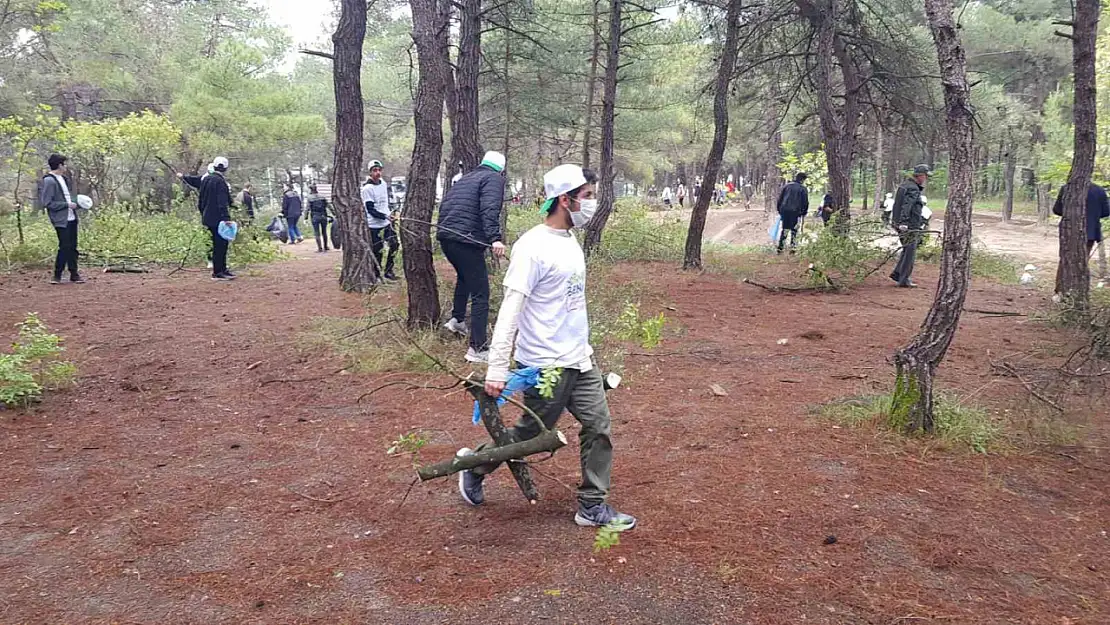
[214, 205]
[469, 223]
[544, 308]
[379, 216]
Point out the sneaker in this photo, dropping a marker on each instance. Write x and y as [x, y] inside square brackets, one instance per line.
[56, 280]
[227, 275]
[455, 327]
[221, 278]
[392, 277]
[475, 356]
[76, 279]
[470, 483]
[603, 514]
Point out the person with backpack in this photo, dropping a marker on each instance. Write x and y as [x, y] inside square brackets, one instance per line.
[318, 212]
[291, 209]
[61, 206]
[793, 205]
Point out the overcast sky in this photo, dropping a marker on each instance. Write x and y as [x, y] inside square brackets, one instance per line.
[306, 20]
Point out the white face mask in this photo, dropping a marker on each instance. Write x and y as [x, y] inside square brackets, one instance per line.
[583, 216]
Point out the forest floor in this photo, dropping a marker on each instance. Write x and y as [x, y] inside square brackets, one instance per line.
[213, 466]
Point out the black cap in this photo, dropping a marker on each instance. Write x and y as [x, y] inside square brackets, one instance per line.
[800, 176]
[921, 170]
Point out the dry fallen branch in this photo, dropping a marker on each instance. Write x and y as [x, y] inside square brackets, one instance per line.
[1008, 370]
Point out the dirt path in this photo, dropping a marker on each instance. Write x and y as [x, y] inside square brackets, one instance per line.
[210, 468]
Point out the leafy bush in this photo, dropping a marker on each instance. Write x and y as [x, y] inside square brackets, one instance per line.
[34, 364]
[117, 234]
[955, 422]
[631, 327]
[845, 260]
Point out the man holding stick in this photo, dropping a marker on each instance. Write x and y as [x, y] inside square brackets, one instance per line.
[544, 308]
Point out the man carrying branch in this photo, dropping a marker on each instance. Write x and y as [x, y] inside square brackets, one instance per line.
[544, 308]
[908, 220]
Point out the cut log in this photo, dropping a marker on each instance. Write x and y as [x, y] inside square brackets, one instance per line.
[491, 418]
[549, 441]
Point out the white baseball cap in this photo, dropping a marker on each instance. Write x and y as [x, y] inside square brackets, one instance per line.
[562, 179]
[495, 160]
[220, 162]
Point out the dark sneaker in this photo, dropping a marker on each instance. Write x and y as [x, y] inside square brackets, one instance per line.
[220, 277]
[908, 285]
[230, 275]
[603, 514]
[392, 277]
[56, 280]
[470, 483]
[895, 277]
[76, 279]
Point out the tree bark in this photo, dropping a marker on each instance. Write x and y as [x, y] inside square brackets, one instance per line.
[606, 193]
[506, 144]
[429, 34]
[1073, 280]
[491, 418]
[692, 259]
[916, 363]
[838, 122]
[1044, 202]
[465, 146]
[357, 274]
[591, 85]
[1010, 169]
[550, 442]
[878, 205]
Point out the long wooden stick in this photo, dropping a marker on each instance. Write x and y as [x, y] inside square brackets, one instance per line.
[549, 442]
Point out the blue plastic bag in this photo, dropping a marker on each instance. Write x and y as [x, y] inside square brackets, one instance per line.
[775, 230]
[228, 230]
[519, 379]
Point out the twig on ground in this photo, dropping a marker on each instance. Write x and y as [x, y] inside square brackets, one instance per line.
[1009, 370]
[317, 499]
[788, 289]
[995, 313]
[315, 379]
[415, 480]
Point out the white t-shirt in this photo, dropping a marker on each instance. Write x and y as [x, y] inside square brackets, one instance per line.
[65, 191]
[379, 194]
[549, 268]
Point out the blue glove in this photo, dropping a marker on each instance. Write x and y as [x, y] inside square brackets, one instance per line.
[519, 379]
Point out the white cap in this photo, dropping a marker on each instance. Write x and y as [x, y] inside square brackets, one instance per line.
[220, 162]
[562, 179]
[496, 160]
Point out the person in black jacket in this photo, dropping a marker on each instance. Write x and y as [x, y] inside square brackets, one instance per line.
[247, 201]
[1098, 208]
[470, 222]
[291, 209]
[215, 208]
[907, 219]
[318, 210]
[793, 204]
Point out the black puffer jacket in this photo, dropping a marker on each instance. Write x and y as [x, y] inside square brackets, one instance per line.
[471, 210]
[794, 200]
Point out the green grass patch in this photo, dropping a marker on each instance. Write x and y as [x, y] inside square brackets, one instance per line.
[957, 424]
[383, 348]
[995, 267]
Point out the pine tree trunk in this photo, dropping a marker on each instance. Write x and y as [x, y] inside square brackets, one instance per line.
[606, 195]
[506, 63]
[1072, 275]
[879, 185]
[917, 362]
[1008, 180]
[694, 235]
[772, 178]
[465, 147]
[591, 86]
[358, 268]
[429, 33]
[1044, 202]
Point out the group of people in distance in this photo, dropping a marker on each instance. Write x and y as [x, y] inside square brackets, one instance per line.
[906, 218]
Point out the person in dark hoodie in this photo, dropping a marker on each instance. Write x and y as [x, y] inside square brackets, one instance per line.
[470, 222]
[291, 209]
[793, 204]
[318, 211]
[1098, 208]
[61, 206]
[215, 208]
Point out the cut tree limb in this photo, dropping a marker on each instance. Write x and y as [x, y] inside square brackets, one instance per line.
[491, 418]
[550, 442]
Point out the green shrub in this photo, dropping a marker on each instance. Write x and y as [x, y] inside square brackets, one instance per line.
[955, 422]
[34, 364]
[118, 234]
[994, 266]
[845, 260]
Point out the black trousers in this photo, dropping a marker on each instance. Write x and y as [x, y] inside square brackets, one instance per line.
[379, 239]
[903, 271]
[67, 250]
[789, 224]
[472, 285]
[219, 252]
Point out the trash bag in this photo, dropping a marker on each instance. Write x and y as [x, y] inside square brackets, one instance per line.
[228, 230]
[775, 230]
[278, 229]
[519, 379]
[336, 235]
